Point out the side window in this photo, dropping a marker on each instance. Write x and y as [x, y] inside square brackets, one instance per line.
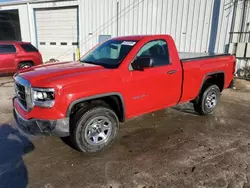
[29, 48]
[7, 48]
[157, 50]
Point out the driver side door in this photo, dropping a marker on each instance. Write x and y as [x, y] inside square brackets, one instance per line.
[153, 88]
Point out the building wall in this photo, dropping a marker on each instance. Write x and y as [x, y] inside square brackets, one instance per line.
[238, 23]
[236, 28]
[188, 21]
[97, 18]
[196, 25]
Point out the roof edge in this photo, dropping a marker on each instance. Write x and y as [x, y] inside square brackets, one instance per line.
[20, 2]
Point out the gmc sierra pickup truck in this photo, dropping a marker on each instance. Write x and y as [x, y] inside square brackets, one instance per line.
[121, 78]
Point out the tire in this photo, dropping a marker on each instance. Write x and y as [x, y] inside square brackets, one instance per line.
[94, 128]
[208, 100]
[24, 65]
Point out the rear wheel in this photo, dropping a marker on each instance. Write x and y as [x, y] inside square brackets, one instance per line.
[24, 65]
[208, 100]
[94, 129]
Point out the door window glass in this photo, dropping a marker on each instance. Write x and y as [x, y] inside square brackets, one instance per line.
[6, 48]
[157, 50]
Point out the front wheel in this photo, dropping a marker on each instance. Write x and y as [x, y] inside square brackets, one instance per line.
[208, 100]
[94, 129]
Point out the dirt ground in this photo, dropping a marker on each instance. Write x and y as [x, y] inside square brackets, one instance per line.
[170, 148]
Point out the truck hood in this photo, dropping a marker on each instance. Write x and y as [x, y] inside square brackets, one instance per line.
[56, 70]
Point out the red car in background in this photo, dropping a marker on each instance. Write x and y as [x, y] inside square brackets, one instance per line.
[16, 55]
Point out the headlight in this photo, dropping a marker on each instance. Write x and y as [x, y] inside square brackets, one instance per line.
[43, 97]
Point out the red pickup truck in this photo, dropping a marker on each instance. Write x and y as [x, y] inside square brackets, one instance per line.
[119, 79]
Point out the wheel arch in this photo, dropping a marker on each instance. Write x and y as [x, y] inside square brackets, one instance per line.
[217, 78]
[25, 61]
[114, 99]
[210, 78]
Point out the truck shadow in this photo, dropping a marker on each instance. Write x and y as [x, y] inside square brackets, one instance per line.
[67, 141]
[13, 145]
[186, 108]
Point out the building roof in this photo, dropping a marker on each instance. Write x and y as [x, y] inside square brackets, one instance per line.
[19, 2]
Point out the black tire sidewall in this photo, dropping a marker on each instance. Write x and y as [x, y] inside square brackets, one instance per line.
[210, 89]
[82, 123]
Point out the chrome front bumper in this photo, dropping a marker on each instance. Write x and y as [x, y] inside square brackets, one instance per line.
[58, 127]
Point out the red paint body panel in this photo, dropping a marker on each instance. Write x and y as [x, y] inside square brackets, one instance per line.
[195, 72]
[9, 61]
[141, 91]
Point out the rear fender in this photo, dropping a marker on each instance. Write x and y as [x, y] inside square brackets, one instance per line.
[205, 78]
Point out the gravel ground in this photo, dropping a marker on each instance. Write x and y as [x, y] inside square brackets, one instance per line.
[170, 148]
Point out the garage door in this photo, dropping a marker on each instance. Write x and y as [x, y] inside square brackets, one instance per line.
[57, 33]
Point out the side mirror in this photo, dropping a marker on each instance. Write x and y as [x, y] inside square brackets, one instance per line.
[141, 62]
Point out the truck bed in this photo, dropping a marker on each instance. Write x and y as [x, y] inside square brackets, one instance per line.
[198, 66]
[190, 56]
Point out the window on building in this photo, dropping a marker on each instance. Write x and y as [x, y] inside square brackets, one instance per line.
[102, 38]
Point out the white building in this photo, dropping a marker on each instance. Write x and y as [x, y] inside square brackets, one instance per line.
[57, 28]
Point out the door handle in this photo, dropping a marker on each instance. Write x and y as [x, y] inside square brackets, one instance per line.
[172, 72]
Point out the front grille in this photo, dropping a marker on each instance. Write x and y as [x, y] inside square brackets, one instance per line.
[20, 93]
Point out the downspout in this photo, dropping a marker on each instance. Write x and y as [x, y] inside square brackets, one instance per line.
[79, 31]
[243, 19]
[28, 10]
[235, 4]
[117, 18]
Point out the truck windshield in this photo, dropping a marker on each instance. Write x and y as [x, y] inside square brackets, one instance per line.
[109, 54]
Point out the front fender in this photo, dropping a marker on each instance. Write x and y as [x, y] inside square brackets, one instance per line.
[99, 96]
